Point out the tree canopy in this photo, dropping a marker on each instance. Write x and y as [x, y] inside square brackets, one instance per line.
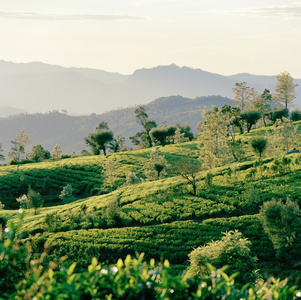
[285, 89]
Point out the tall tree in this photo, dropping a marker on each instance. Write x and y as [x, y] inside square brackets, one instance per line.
[117, 144]
[151, 170]
[285, 89]
[148, 125]
[110, 173]
[99, 140]
[161, 134]
[18, 148]
[232, 114]
[103, 126]
[57, 151]
[243, 94]
[38, 153]
[35, 200]
[2, 157]
[251, 118]
[285, 135]
[186, 130]
[262, 104]
[188, 170]
[213, 138]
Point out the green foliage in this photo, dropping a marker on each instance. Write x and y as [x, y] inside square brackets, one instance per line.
[242, 95]
[162, 134]
[118, 144]
[285, 136]
[14, 256]
[295, 115]
[213, 138]
[208, 180]
[112, 213]
[131, 278]
[259, 145]
[67, 193]
[149, 211]
[277, 114]
[38, 153]
[99, 140]
[185, 130]
[143, 138]
[56, 152]
[52, 221]
[189, 171]
[282, 223]
[2, 157]
[150, 169]
[18, 149]
[251, 118]
[110, 173]
[285, 89]
[262, 104]
[131, 178]
[281, 166]
[232, 250]
[24, 202]
[35, 200]
[46, 186]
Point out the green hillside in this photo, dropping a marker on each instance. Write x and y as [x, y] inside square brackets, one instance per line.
[160, 218]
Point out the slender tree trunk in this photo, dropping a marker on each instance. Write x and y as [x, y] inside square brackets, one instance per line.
[263, 119]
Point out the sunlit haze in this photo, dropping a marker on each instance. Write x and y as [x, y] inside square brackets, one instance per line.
[225, 37]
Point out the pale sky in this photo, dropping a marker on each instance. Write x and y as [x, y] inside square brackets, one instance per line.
[261, 37]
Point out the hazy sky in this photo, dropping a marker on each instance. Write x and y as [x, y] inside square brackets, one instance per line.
[261, 37]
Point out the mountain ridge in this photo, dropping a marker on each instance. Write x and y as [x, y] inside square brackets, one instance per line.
[38, 87]
[69, 131]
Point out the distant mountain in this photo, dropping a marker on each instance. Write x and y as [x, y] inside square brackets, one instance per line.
[38, 87]
[10, 111]
[69, 131]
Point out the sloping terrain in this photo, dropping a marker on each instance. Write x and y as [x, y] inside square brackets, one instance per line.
[160, 218]
[69, 131]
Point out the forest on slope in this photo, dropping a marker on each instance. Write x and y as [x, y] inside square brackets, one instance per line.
[69, 131]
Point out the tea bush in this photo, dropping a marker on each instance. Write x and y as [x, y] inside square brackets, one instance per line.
[131, 278]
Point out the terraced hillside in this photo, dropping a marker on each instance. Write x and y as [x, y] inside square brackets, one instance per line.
[161, 218]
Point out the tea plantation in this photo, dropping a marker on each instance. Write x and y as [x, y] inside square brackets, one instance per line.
[161, 218]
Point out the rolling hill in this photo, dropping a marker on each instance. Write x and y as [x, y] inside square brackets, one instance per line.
[160, 218]
[69, 131]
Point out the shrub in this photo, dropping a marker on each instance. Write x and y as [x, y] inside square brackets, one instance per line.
[296, 115]
[209, 180]
[232, 250]
[131, 178]
[259, 145]
[281, 222]
[52, 221]
[67, 193]
[24, 202]
[35, 200]
[113, 213]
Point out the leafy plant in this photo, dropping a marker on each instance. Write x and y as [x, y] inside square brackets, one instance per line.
[282, 223]
[232, 250]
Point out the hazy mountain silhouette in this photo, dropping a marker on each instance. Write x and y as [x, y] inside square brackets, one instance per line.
[38, 87]
[69, 131]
